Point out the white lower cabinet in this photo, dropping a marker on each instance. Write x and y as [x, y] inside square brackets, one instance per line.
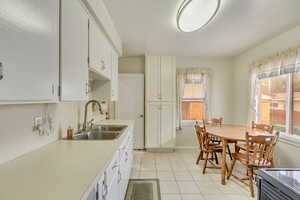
[160, 125]
[114, 181]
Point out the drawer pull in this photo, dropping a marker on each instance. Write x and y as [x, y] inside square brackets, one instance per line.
[115, 166]
[119, 176]
[1, 71]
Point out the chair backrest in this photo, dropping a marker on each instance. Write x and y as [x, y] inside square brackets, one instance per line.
[260, 149]
[217, 121]
[202, 135]
[264, 127]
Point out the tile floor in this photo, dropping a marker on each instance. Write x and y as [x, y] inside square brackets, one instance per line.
[181, 179]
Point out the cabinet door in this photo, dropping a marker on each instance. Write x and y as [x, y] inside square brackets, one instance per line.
[125, 166]
[167, 135]
[153, 92]
[106, 52]
[153, 124]
[74, 51]
[29, 51]
[95, 56]
[114, 189]
[114, 77]
[98, 51]
[168, 78]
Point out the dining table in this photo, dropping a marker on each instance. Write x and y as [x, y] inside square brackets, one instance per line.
[231, 134]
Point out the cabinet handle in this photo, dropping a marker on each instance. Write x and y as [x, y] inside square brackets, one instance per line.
[1, 71]
[102, 65]
[126, 154]
[52, 89]
[86, 88]
[119, 176]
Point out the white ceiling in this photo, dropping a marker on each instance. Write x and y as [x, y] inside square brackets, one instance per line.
[149, 26]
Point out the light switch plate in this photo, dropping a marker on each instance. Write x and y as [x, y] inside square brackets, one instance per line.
[37, 121]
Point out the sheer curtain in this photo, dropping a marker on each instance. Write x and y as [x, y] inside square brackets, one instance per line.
[285, 62]
[189, 75]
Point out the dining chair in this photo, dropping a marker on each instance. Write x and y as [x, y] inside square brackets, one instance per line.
[263, 127]
[207, 148]
[219, 122]
[259, 154]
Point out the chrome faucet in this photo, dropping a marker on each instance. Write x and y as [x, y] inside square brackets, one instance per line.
[85, 111]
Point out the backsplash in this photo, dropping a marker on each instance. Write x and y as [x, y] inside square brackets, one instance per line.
[16, 121]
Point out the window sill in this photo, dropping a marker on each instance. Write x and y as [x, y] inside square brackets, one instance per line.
[290, 139]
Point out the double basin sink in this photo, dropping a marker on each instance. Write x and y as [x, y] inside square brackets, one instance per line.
[101, 132]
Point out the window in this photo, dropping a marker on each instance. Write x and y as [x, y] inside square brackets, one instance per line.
[279, 102]
[193, 106]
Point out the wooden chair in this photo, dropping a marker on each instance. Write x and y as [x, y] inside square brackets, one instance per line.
[262, 127]
[213, 140]
[207, 148]
[261, 156]
[219, 122]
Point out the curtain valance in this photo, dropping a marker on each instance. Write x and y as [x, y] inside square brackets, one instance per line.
[282, 63]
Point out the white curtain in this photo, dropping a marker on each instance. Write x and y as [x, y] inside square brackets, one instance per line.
[197, 75]
[282, 63]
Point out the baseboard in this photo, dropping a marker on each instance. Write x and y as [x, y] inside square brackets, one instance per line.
[186, 147]
[160, 150]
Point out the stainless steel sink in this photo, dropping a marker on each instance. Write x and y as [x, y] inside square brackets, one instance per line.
[104, 132]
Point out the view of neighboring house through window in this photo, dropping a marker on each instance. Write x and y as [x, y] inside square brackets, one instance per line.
[296, 104]
[279, 98]
[193, 106]
[272, 102]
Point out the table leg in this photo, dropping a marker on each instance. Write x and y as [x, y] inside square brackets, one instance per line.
[223, 174]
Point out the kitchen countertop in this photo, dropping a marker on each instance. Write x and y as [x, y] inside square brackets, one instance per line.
[63, 170]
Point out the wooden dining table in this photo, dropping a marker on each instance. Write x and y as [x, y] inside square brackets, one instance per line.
[231, 134]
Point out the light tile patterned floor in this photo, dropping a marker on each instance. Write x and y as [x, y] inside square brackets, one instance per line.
[181, 179]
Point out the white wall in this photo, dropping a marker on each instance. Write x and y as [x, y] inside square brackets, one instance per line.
[16, 122]
[286, 151]
[132, 64]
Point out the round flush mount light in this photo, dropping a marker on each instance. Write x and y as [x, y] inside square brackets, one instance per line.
[195, 14]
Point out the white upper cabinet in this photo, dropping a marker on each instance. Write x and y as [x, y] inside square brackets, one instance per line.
[114, 76]
[160, 78]
[29, 51]
[168, 78]
[153, 92]
[74, 51]
[99, 51]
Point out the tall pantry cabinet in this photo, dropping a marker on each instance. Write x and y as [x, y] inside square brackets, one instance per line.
[160, 101]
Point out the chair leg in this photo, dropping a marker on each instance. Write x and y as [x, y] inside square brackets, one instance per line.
[251, 182]
[231, 169]
[216, 157]
[229, 152]
[200, 157]
[205, 162]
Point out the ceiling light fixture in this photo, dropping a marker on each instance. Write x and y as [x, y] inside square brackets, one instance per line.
[195, 14]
